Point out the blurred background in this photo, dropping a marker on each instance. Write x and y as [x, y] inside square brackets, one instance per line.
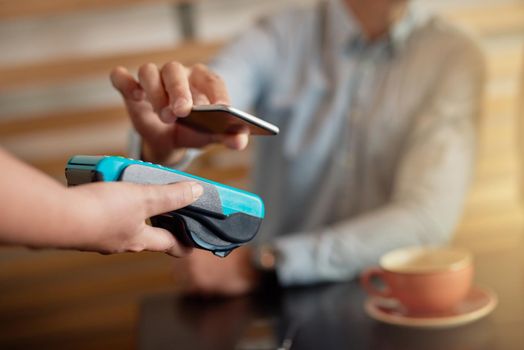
[56, 101]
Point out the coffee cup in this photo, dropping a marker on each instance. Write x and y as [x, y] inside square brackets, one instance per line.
[422, 279]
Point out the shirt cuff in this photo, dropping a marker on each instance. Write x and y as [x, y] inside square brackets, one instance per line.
[189, 156]
[134, 145]
[296, 259]
[315, 257]
[135, 151]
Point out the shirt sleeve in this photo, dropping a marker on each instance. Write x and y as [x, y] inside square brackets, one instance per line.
[247, 63]
[430, 184]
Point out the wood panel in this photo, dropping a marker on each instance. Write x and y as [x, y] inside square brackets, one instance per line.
[520, 128]
[10, 9]
[60, 120]
[74, 68]
[491, 18]
[503, 62]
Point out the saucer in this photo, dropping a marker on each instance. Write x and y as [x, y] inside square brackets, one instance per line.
[479, 302]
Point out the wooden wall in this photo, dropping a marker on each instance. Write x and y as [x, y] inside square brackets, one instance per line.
[56, 299]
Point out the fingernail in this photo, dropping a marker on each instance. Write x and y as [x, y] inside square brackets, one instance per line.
[180, 104]
[138, 94]
[196, 189]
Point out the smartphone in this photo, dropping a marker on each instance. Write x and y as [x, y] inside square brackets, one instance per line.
[222, 119]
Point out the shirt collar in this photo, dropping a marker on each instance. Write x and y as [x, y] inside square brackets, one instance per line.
[346, 32]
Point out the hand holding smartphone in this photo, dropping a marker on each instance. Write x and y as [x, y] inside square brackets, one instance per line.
[222, 119]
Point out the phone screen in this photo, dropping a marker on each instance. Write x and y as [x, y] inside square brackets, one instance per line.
[221, 119]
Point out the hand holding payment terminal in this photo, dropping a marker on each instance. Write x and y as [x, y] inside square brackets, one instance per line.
[222, 219]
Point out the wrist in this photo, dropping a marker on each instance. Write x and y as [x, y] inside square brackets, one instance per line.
[164, 157]
[64, 227]
[81, 223]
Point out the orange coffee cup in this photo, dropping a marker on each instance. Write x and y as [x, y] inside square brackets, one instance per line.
[423, 279]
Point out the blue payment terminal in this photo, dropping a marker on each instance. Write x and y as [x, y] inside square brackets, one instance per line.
[222, 219]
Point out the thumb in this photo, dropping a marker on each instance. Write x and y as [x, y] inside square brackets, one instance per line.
[159, 240]
[159, 199]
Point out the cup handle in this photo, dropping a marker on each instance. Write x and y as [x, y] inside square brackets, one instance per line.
[367, 284]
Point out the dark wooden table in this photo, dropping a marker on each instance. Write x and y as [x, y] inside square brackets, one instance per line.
[331, 317]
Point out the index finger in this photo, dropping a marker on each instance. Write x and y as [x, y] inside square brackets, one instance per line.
[175, 79]
[210, 84]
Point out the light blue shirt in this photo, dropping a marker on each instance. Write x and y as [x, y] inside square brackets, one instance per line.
[377, 139]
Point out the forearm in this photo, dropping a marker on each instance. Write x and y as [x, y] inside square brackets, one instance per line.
[35, 209]
[248, 63]
[341, 251]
